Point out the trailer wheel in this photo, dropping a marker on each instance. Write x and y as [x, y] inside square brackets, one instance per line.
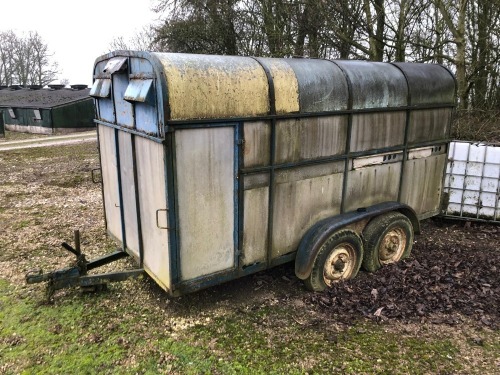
[338, 259]
[387, 239]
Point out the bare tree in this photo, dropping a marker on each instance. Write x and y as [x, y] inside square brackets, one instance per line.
[41, 70]
[25, 60]
[464, 35]
[7, 43]
[144, 40]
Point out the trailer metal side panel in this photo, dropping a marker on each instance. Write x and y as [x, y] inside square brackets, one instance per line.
[422, 185]
[429, 125]
[303, 196]
[205, 194]
[377, 130]
[256, 149]
[110, 180]
[373, 184]
[255, 219]
[153, 210]
[310, 138]
[128, 191]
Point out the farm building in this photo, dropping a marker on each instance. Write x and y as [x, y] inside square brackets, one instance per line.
[55, 109]
[2, 127]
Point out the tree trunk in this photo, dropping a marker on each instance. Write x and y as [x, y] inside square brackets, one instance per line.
[458, 32]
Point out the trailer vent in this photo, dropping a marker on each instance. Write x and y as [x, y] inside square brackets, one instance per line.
[101, 88]
[138, 90]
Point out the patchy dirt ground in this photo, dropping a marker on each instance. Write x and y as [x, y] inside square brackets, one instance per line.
[452, 276]
[447, 290]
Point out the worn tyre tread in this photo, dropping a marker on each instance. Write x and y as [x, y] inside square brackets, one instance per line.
[374, 232]
[315, 281]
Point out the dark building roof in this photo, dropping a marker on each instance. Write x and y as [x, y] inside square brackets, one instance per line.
[41, 98]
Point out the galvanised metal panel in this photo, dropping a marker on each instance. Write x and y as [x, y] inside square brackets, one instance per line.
[322, 85]
[152, 195]
[104, 105]
[105, 111]
[429, 83]
[255, 218]
[128, 191]
[124, 109]
[429, 125]
[372, 184]
[310, 138]
[375, 85]
[302, 197]
[423, 180]
[257, 149]
[146, 112]
[377, 130]
[285, 85]
[109, 172]
[209, 86]
[206, 200]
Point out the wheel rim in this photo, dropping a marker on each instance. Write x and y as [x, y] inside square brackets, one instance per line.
[339, 264]
[392, 246]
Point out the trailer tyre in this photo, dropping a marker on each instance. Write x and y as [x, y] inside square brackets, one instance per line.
[339, 258]
[387, 239]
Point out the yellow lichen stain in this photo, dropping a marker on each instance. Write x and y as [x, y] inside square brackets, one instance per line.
[286, 87]
[203, 87]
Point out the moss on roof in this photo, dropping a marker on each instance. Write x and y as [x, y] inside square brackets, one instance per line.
[43, 98]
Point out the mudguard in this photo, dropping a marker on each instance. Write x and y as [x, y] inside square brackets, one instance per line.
[322, 230]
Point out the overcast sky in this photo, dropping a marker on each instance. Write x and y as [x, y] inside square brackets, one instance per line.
[77, 32]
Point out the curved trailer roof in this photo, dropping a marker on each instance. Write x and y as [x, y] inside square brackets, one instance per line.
[221, 87]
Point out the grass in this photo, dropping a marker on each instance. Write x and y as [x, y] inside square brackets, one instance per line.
[92, 334]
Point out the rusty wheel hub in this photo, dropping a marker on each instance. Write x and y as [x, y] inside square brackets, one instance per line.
[339, 265]
[392, 246]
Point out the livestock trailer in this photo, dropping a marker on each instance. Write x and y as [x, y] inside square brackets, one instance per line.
[216, 167]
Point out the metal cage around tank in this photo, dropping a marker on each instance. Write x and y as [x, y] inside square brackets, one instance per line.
[215, 167]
